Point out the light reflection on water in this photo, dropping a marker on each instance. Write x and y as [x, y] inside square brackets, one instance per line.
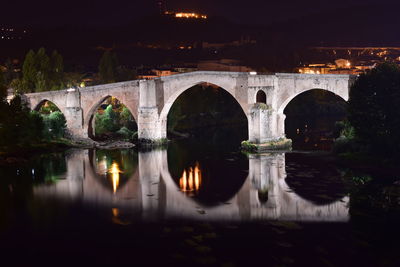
[143, 188]
[114, 171]
[191, 179]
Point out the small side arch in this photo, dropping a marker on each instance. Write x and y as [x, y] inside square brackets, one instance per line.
[41, 103]
[38, 106]
[88, 123]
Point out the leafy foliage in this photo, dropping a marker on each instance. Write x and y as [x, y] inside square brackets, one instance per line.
[107, 122]
[18, 125]
[374, 108]
[127, 120]
[40, 72]
[108, 67]
[55, 125]
[29, 71]
[116, 120]
[48, 108]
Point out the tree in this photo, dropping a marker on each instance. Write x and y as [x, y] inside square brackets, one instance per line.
[56, 71]
[126, 119]
[125, 74]
[71, 79]
[40, 72]
[42, 62]
[29, 72]
[57, 62]
[374, 108]
[10, 73]
[108, 67]
[18, 125]
[108, 122]
[55, 125]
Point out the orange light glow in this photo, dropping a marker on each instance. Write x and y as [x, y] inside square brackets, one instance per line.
[115, 171]
[190, 15]
[190, 180]
[115, 212]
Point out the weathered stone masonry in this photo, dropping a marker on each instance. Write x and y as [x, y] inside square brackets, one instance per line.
[150, 100]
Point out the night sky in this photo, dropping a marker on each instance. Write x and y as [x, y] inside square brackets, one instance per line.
[101, 12]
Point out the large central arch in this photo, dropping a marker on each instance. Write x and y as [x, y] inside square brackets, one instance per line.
[173, 95]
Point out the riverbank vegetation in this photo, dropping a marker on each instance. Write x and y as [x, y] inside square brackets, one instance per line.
[373, 127]
[22, 128]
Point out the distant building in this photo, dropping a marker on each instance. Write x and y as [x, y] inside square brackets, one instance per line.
[155, 73]
[343, 63]
[223, 65]
[185, 15]
[163, 72]
[349, 60]
[341, 66]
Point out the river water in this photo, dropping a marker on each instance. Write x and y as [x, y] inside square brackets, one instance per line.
[188, 204]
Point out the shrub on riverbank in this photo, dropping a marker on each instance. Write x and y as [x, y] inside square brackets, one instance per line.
[18, 125]
[21, 127]
[55, 125]
[115, 123]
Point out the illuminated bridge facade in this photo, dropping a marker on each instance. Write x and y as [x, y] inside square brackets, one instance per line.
[151, 100]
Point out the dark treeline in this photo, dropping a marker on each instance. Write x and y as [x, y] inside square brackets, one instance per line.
[42, 72]
[373, 125]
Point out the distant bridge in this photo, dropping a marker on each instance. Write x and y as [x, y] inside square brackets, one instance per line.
[151, 100]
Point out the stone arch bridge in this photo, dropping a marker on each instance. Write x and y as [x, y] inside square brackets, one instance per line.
[150, 100]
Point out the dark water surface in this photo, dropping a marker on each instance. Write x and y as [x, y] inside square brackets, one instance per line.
[193, 205]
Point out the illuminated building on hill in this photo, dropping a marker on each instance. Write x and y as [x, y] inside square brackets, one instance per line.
[186, 15]
[190, 15]
[162, 7]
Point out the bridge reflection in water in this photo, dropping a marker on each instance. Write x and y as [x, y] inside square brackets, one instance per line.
[149, 192]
